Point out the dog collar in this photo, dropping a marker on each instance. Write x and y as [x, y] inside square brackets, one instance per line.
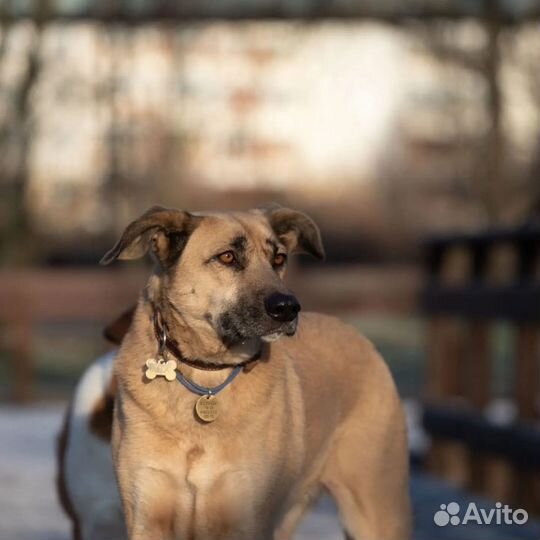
[207, 406]
[165, 341]
[192, 386]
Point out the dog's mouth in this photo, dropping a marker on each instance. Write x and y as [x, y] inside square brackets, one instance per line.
[289, 329]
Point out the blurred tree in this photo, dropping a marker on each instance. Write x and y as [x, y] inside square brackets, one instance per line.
[484, 180]
[16, 139]
[532, 211]
[490, 176]
[492, 156]
[479, 164]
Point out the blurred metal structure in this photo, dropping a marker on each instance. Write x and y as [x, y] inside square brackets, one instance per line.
[508, 11]
[473, 281]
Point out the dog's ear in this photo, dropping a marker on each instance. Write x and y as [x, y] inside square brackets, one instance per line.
[163, 231]
[295, 229]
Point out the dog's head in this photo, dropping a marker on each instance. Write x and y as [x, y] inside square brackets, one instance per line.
[223, 272]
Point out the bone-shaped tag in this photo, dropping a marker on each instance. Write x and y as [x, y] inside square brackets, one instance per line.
[160, 368]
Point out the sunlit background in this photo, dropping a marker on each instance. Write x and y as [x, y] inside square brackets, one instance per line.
[387, 121]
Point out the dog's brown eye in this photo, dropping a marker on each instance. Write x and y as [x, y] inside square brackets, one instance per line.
[227, 257]
[279, 259]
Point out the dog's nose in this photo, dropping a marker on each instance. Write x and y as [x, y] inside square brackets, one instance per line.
[282, 307]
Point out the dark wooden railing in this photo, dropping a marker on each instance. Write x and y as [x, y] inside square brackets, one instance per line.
[31, 297]
[473, 282]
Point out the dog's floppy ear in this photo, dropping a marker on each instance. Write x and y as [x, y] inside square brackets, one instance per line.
[163, 231]
[295, 229]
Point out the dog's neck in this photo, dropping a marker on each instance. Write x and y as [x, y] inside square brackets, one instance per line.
[196, 343]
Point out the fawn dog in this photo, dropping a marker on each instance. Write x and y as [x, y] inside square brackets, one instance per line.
[233, 409]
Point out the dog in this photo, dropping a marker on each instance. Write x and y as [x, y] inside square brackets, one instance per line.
[86, 482]
[233, 409]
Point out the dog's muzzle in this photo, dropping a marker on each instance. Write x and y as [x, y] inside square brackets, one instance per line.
[268, 318]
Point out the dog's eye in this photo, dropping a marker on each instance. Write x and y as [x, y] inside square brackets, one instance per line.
[227, 257]
[279, 260]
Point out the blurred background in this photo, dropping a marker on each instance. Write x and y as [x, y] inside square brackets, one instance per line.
[409, 130]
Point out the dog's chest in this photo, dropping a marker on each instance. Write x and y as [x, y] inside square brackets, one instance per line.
[221, 488]
[228, 478]
[205, 466]
[237, 472]
[226, 465]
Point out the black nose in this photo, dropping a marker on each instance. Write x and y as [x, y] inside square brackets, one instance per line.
[282, 307]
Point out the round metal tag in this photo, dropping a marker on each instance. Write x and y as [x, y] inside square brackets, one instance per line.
[207, 408]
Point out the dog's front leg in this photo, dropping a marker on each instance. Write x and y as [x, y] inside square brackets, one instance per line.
[147, 493]
[148, 497]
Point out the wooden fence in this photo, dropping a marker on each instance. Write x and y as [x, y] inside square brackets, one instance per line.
[473, 282]
[30, 297]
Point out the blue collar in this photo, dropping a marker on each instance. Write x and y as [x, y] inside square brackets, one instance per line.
[205, 391]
